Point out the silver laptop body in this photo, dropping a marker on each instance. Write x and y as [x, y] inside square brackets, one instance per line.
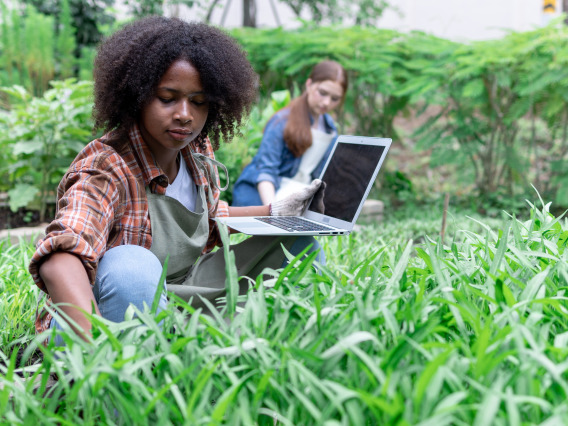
[349, 174]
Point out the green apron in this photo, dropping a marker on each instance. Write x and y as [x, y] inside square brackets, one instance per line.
[182, 234]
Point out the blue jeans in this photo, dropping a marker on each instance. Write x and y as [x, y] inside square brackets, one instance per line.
[130, 274]
[126, 275]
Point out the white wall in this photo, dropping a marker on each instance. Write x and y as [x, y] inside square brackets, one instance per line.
[459, 20]
[467, 19]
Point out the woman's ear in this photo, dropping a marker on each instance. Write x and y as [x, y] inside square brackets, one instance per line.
[308, 83]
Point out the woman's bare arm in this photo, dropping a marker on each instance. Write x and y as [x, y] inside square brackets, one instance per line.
[266, 191]
[67, 282]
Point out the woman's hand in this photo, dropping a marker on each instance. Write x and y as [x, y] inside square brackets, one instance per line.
[296, 203]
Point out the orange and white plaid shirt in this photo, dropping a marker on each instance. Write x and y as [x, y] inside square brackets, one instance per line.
[101, 202]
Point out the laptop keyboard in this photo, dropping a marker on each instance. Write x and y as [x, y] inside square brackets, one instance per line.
[293, 223]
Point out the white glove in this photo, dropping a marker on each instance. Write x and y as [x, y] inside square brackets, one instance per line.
[296, 203]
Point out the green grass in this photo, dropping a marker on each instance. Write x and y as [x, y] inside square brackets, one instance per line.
[399, 328]
[18, 298]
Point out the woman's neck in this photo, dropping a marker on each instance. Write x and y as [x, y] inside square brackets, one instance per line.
[170, 167]
[315, 120]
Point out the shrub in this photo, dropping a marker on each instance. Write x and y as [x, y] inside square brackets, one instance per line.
[42, 136]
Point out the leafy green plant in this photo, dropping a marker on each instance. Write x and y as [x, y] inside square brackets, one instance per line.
[85, 63]
[89, 19]
[18, 297]
[43, 136]
[374, 60]
[66, 44]
[484, 91]
[472, 331]
[28, 45]
[39, 46]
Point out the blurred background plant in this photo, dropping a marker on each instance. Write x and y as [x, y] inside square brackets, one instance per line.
[40, 136]
[482, 121]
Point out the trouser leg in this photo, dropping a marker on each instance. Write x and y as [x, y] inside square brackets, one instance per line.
[207, 277]
[126, 275]
[302, 242]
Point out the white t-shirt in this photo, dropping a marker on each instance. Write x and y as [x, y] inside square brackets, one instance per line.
[183, 188]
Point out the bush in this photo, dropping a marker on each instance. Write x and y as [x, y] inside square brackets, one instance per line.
[41, 137]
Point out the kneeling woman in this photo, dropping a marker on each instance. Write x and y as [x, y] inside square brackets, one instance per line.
[166, 91]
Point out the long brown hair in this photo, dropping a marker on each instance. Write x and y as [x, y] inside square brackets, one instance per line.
[297, 133]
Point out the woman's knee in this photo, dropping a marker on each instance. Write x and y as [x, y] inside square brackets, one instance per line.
[129, 264]
[126, 275]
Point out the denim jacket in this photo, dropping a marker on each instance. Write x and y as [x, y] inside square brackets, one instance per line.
[274, 160]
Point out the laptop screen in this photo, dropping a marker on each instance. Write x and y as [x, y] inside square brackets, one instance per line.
[347, 176]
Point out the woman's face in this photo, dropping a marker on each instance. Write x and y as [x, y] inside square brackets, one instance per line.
[177, 112]
[323, 96]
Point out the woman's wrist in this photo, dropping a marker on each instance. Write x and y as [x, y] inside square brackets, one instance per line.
[266, 191]
[249, 211]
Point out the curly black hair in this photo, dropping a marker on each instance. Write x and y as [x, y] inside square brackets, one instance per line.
[130, 63]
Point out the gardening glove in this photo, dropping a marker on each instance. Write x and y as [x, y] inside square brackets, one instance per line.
[317, 203]
[296, 203]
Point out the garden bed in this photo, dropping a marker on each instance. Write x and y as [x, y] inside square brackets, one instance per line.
[21, 218]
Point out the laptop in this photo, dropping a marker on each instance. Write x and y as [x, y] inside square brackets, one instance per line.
[348, 174]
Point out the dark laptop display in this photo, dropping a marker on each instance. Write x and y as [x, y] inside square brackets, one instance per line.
[347, 177]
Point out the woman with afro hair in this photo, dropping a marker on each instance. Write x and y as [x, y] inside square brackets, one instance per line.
[166, 92]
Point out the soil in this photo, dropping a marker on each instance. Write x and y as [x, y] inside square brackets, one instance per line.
[21, 218]
[36, 357]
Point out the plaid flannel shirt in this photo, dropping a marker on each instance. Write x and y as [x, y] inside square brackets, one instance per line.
[101, 203]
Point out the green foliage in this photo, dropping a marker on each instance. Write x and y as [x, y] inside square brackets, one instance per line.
[88, 18]
[17, 295]
[485, 92]
[471, 331]
[394, 188]
[27, 49]
[56, 42]
[35, 48]
[85, 63]
[66, 42]
[361, 12]
[12, 57]
[373, 58]
[42, 136]
[40, 46]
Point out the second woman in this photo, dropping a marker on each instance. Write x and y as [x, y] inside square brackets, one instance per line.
[297, 141]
